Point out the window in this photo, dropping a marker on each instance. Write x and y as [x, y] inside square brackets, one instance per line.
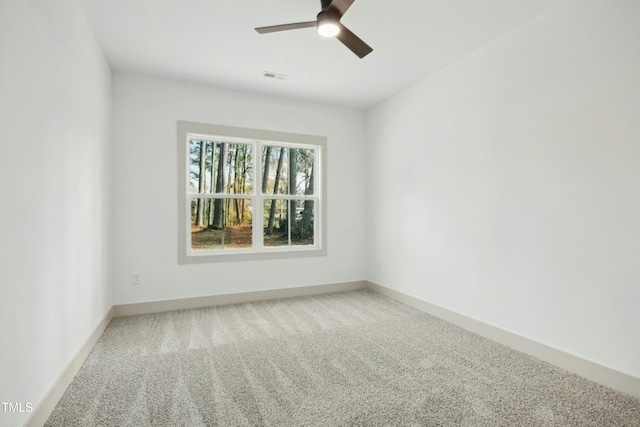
[249, 194]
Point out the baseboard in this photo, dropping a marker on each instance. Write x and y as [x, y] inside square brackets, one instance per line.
[593, 371]
[43, 410]
[214, 300]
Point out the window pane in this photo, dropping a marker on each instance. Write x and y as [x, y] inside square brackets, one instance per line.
[275, 166]
[220, 167]
[276, 230]
[238, 168]
[275, 219]
[302, 230]
[301, 161]
[226, 224]
[199, 166]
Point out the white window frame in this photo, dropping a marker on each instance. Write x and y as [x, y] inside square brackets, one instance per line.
[257, 138]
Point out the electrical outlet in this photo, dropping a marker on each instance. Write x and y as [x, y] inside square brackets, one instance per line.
[135, 278]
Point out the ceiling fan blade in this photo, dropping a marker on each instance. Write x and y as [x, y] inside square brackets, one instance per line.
[342, 5]
[285, 27]
[353, 42]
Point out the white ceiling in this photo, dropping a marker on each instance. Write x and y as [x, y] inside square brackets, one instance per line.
[213, 42]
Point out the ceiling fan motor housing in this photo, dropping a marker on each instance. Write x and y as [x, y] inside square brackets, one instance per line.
[330, 15]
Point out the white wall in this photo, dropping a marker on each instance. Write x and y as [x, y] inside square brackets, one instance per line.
[145, 181]
[506, 186]
[55, 119]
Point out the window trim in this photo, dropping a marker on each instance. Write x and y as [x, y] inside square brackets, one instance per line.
[240, 135]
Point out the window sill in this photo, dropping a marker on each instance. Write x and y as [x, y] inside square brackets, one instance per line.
[240, 255]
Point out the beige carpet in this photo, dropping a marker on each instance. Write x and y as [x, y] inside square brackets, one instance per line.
[346, 359]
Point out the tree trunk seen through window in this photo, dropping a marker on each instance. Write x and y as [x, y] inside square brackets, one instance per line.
[266, 166]
[307, 213]
[242, 181]
[291, 205]
[236, 183]
[218, 217]
[212, 182]
[201, 183]
[272, 211]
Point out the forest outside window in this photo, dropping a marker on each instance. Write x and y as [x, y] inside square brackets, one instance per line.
[249, 194]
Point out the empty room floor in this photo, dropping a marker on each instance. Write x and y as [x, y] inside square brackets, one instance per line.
[349, 358]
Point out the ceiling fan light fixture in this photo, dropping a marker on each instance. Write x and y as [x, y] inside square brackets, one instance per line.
[328, 29]
[328, 24]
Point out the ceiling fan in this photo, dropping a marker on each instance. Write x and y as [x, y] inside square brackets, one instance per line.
[328, 24]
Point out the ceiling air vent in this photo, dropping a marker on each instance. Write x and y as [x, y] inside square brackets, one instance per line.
[273, 75]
